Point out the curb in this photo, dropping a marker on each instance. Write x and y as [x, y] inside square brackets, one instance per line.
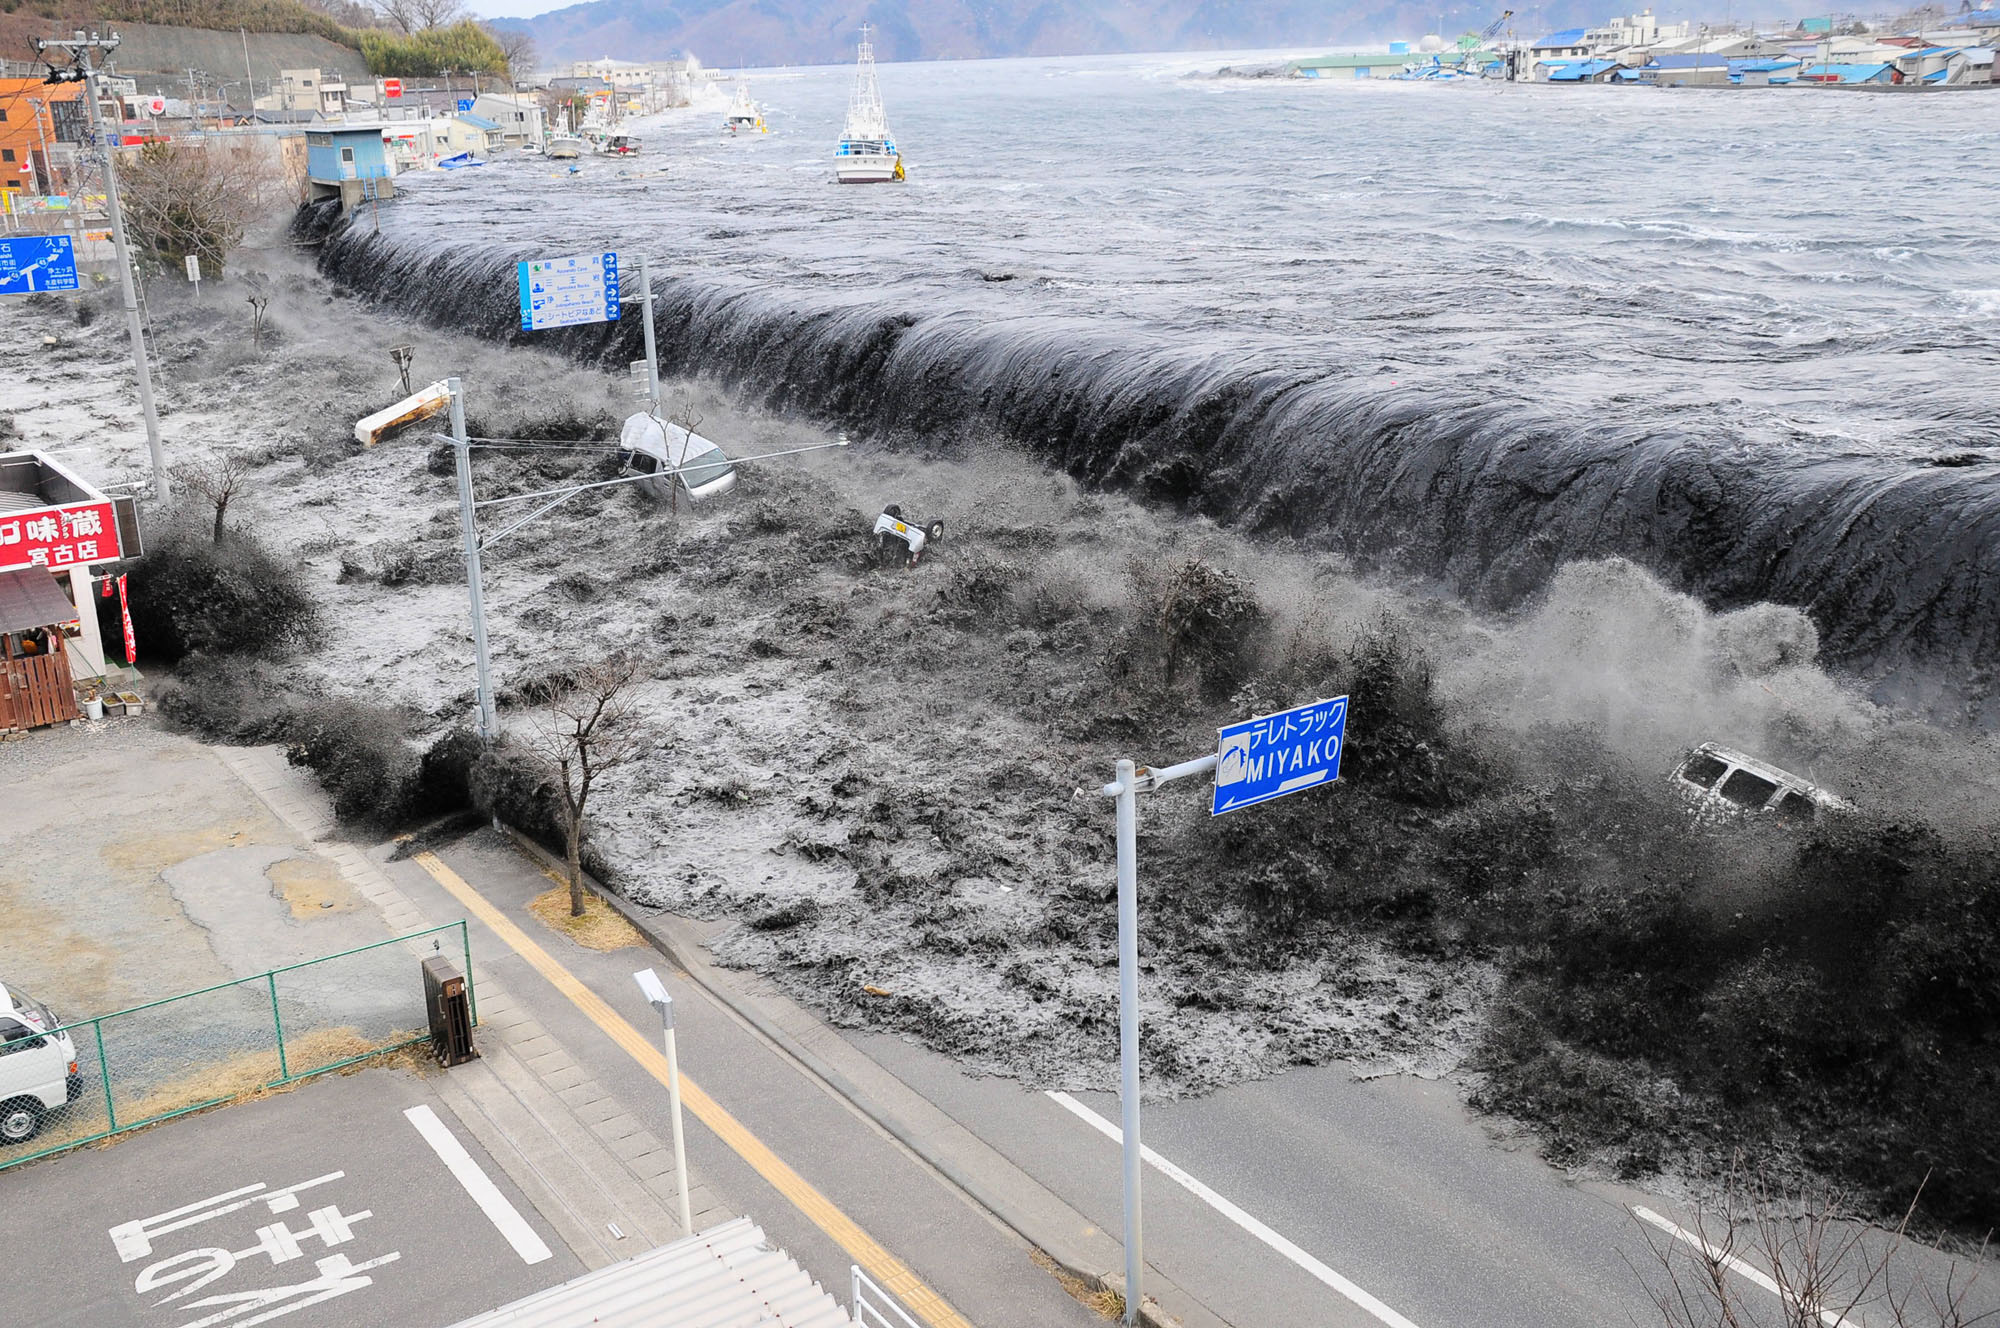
[1021, 1224]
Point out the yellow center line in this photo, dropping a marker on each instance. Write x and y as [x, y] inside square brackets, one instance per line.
[876, 1261]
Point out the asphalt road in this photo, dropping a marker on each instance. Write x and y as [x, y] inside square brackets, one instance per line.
[349, 1217]
[1386, 1183]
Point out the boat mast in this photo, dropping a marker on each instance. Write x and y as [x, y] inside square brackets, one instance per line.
[865, 116]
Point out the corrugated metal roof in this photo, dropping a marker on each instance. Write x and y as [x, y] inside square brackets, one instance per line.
[31, 598]
[726, 1277]
[1567, 37]
[1844, 73]
[478, 121]
[1578, 70]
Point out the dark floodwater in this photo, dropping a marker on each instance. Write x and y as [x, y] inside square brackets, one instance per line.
[1748, 339]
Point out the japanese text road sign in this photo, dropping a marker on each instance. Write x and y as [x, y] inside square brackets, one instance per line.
[30, 263]
[1265, 758]
[465, 103]
[563, 292]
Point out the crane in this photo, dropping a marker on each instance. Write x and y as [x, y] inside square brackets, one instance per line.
[1472, 42]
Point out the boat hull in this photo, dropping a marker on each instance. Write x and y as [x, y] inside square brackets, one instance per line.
[869, 170]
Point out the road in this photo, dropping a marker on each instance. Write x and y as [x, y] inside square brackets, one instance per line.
[977, 1266]
[330, 1205]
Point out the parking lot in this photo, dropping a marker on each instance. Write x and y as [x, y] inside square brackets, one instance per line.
[351, 1201]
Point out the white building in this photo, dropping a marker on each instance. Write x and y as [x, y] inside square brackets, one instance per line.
[1640, 29]
[521, 119]
[306, 90]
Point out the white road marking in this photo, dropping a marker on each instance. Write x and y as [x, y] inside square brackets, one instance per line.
[1237, 1215]
[1830, 1318]
[503, 1215]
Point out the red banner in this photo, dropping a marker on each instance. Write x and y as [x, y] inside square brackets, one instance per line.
[125, 612]
[72, 535]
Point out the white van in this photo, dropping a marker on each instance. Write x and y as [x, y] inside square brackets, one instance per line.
[649, 447]
[1715, 777]
[37, 1066]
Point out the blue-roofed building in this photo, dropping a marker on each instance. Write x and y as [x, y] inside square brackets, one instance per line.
[1981, 18]
[1582, 71]
[1831, 74]
[348, 162]
[1769, 72]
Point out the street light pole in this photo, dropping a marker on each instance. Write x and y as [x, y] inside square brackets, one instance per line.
[656, 994]
[80, 48]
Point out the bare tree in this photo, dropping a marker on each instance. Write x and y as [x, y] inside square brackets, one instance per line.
[587, 734]
[518, 45]
[217, 481]
[1824, 1267]
[196, 198]
[421, 15]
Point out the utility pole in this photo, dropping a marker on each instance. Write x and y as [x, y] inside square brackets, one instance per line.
[469, 523]
[249, 77]
[80, 49]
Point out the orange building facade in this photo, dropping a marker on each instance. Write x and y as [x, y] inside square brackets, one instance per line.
[34, 118]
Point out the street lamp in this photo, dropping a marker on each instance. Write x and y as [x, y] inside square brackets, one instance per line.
[656, 993]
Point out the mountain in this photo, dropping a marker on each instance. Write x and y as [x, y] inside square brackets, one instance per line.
[776, 32]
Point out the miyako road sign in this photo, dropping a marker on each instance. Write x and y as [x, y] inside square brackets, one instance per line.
[1265, 758]
[30, 263]
[563, 292]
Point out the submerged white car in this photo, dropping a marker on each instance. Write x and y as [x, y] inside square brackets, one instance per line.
[1717, 778]
[37, 1066]
[651, 447]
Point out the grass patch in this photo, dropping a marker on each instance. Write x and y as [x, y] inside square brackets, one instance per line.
[601, 927]
[1106, 1304]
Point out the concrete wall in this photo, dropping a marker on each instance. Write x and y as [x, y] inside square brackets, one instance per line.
[158, 58]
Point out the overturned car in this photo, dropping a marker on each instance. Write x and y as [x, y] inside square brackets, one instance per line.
[1715, 778]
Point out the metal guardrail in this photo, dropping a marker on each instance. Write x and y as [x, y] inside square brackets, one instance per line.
[184, 1053]
[876, 1308]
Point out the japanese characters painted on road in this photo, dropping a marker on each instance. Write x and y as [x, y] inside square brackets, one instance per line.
[72, 535]
[1268, 757]
[563, 292]
[187, 1251]
[30, 263]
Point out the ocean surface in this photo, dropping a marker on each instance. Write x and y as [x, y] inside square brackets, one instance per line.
[1749, 339]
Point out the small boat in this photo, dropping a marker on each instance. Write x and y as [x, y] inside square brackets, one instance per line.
[744, 117]
[621, 145]
[867, 152]
[566, 148]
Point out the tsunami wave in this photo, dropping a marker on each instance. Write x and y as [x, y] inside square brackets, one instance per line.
[1895, 558]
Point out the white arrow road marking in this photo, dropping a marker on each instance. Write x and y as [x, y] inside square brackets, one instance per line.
[1237, 1215]
[1828, 1317]
[504, 1216]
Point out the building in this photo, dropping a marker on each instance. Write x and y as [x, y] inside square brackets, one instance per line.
[1372, 64]
[348, 162]
[520, 120]
[55, 531]
[307, 90]
[1640, 29]
[41, 125]
[464, 132]
[1582, 71]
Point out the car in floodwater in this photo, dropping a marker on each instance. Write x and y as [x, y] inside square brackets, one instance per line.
[38, 1074]
[1715, 778]
[662, 450]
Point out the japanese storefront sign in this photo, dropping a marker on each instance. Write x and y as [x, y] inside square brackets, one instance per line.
[72, 535]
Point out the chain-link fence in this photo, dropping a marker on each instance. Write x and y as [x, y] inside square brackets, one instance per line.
[93, 1078]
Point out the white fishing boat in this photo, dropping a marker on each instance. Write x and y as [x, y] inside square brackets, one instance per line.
[867, 152]
[565, 148]
[744, 117]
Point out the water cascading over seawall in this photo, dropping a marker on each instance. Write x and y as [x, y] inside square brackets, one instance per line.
[1896, 560]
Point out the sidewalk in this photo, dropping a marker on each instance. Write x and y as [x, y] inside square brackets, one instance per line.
[603, 1180]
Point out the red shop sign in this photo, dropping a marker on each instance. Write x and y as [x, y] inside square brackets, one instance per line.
[72, 535]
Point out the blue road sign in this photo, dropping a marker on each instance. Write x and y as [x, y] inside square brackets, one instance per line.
[563, 292]
[1266, 758]
[30, 263]
[465, 103]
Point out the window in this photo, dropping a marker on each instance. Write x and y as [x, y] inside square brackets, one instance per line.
[6, 154]
[1747, 790]
[3, 115]
[17, 1036]
[645, 463]
[1795, 808]
[1702, 770]
[347, 156]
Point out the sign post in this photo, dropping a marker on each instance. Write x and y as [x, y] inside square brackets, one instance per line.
[194, 275]
[1255, 761]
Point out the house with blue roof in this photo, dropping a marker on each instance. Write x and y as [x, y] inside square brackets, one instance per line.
[1582, 71]
[1849, 74]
